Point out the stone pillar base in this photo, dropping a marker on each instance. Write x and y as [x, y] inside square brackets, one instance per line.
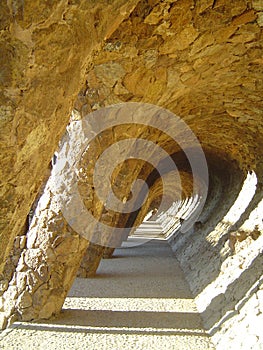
[108, 253]
[91, 261]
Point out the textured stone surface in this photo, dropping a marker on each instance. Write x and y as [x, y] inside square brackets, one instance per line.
[90, 261]
[225, 275]
[45, 51]
[200, 59]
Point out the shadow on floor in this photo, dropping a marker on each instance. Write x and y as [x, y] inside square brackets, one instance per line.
[121, 322]
[147, 271]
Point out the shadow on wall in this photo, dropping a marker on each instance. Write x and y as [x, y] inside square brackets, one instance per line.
[235, 226]
[228, 304]
[202, 253]
[212, 245]
[193, 247]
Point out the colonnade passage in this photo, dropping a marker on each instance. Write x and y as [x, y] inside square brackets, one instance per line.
[135, 125]
[139, 299]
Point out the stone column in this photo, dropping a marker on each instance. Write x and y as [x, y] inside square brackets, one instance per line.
[50, 254]
[108, 253]
[91, 260]
[46, 268]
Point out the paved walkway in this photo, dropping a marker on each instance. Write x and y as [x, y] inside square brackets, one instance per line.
[138, 300]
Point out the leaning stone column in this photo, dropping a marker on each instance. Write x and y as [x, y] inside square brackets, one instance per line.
[108, 252]
[52, 252]
[47, 265]
[91, 260]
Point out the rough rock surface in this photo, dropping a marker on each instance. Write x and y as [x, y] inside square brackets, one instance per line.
[200, 59]
[46, 49]
[225, 276]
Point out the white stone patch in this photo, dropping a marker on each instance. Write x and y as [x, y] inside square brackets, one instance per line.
[245, 196]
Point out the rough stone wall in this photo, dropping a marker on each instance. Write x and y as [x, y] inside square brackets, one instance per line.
[225, 275]
[46, 49]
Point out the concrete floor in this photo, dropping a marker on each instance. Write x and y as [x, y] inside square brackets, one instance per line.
[138, 300]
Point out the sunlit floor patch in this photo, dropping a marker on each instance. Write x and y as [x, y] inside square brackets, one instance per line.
[131, 304]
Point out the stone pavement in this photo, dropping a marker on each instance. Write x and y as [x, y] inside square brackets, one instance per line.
[138, 300]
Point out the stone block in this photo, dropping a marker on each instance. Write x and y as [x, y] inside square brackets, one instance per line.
[257, 5]
[3, 286]
[1, 304]
[22, 242]
[260, 19]
[3, 321]
[21, 279]
[33, 257]
[24, 300]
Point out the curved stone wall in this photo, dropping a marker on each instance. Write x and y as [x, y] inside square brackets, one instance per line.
[201, 60]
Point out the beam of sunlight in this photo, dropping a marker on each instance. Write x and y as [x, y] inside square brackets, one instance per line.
[255, 218]
[118, 330]
[244, 198]
[131, 304]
